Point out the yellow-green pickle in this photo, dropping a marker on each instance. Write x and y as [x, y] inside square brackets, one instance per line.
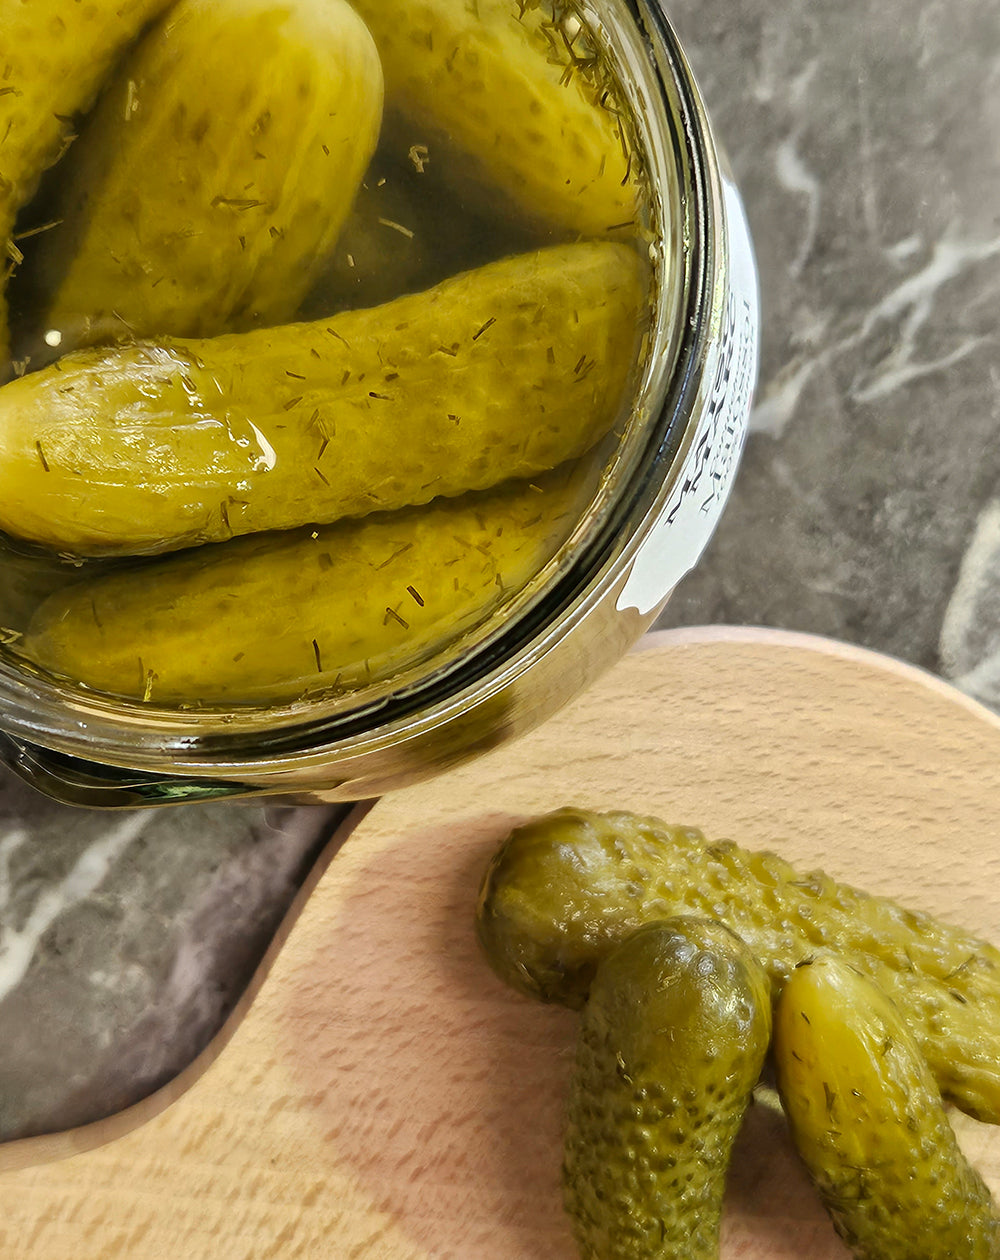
[215, 175]
[869, 1123]
[368, 596]
[551, 149]
[672, 1042]
[504, 372]
[563, 890]
[54, 58]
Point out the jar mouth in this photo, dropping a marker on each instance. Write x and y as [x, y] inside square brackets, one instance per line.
[221, 741]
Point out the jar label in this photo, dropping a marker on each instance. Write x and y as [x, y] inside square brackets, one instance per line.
[677, 540]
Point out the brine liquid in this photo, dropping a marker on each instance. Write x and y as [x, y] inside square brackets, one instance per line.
[500, 158]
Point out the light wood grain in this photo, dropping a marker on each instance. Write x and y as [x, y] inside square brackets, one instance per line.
[384, 1097]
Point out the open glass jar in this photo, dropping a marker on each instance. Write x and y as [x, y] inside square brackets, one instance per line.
[631, 517]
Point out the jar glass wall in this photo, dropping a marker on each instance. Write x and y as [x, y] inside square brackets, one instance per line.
[643, 505]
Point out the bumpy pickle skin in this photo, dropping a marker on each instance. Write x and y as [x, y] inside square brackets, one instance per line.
[672, 1042]
[275, 616]
[503, 372]
[563, 889]
[869, 1123]
[497, 79]
[54, 57]
[212, 181]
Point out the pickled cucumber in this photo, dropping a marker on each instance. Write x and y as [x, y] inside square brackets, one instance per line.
[210, 185]
[868, 1120]
[274, 616]
[564, 889]
[53, 60]
[502, 372]
[504, 82]
[672, 1042]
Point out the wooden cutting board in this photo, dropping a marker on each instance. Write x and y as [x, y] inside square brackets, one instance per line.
[379, 1094]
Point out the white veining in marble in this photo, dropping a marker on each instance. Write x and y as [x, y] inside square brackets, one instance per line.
[10, 844]
[970, 632]
[780, 397]
[913, 301]
[902, 251]
[18, 945]
[795, 175]
[869, 164]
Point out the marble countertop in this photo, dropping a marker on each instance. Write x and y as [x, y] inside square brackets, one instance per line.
[866, 140]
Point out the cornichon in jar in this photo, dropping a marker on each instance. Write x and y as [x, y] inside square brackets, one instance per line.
[562, 890]
[214, 177]
[868, 1121]
[277, 615]
[505, 83]
[502, 372]
[672, 1042]
[54, 58]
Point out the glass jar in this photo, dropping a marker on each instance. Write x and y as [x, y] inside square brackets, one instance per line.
[660, 499]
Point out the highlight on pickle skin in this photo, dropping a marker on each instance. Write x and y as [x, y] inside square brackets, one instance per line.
[502, 372]
[211, 182]
[870, 1125]
[55, 56]
[274, 616]
[507, 85]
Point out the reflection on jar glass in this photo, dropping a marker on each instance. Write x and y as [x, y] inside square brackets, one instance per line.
[375, 370]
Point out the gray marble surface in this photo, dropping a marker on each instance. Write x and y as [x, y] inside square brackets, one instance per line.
[125, 939]
[866, 139]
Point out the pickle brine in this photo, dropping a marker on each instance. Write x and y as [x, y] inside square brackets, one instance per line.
[288, 280]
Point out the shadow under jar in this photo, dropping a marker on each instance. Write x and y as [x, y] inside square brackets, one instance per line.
[323, 539]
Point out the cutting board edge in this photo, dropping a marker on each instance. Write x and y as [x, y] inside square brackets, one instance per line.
[689, 636]
[48, 1148]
